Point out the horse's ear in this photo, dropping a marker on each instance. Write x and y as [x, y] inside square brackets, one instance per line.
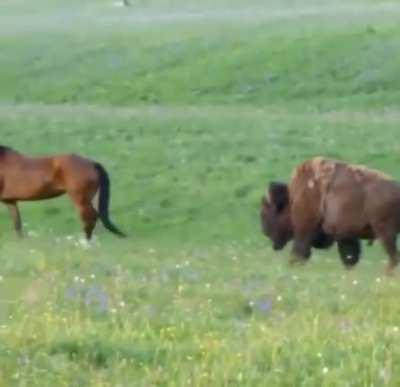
[279, 194]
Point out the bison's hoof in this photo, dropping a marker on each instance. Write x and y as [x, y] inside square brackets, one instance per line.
[297, 261]
[389, 271]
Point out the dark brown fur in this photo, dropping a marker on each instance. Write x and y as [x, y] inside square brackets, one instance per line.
[344, 201]
[26, 179]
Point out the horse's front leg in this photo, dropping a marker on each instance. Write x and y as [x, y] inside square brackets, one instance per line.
[16, 217]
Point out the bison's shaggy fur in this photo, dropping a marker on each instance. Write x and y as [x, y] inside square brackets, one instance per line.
[329, 200]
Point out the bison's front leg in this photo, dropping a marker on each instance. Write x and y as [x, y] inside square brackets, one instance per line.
[322, 240]
[350, 251]
[301, 250]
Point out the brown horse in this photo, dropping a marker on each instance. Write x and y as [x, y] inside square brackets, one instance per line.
[27, 179]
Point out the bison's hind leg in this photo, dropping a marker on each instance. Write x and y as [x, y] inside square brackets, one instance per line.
[389, 244]
[350, 251]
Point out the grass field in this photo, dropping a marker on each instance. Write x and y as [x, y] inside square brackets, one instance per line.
[194, 107]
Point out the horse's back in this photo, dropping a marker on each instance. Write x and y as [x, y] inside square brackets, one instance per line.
[37, 178]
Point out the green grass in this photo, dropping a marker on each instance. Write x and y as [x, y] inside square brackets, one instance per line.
[192, 117]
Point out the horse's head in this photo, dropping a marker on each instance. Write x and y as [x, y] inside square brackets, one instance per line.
[275, 215]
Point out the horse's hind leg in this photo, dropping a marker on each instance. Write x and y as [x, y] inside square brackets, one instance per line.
[89, 218]
[87, 212]
[16, 217]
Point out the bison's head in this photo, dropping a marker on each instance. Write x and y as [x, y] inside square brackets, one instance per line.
[275, 215]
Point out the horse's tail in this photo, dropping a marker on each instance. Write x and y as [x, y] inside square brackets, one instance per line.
[104, 200]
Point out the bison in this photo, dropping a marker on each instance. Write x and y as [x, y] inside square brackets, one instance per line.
[329, 201]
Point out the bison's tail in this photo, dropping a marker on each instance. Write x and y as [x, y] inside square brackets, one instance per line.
[104, 201]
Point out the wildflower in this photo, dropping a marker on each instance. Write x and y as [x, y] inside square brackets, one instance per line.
[82, 280]
[92, 276]
[295, 278]
[76, 278]
[395, 329]
[1, 278]
[279, 298]
[208, 285]
[355, 282]
[325, 370]
[113, 311]
[319, 354]
[343, 296]
[122, 304]
[378, 280]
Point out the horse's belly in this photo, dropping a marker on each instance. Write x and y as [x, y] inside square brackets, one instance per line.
[27, 189]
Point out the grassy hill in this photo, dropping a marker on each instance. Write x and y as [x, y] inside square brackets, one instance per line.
[193, 108]
[322, 56]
